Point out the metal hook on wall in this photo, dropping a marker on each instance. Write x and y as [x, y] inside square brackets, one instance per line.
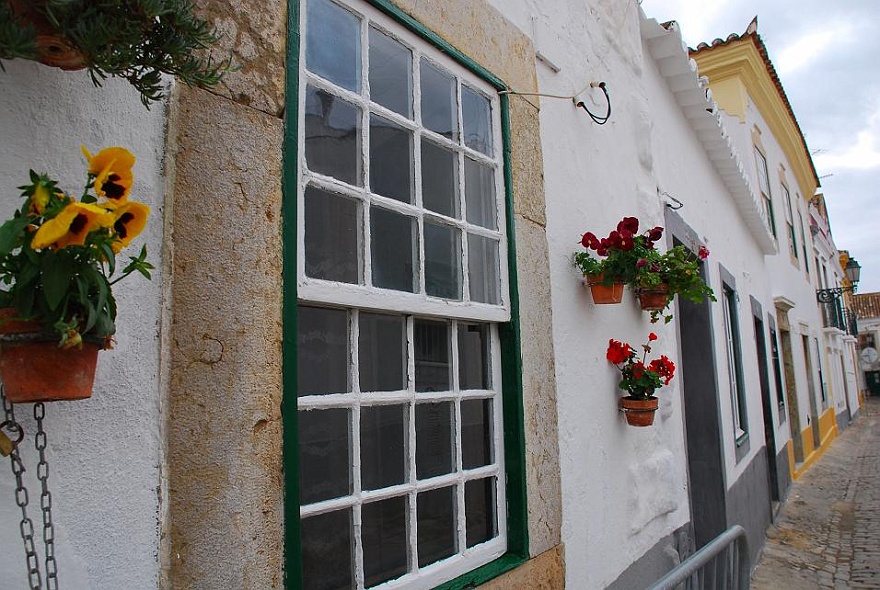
[678, 204]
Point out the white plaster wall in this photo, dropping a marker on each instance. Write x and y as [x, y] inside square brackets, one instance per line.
[683, 170]
[786, 278]
[623, 488]
[104, 453]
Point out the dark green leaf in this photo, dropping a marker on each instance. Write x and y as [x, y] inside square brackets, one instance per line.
[10, 234]
[57, 271]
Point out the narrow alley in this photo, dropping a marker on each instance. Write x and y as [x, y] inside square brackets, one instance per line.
[828, 533]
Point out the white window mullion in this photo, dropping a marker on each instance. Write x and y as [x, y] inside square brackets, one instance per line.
[355, 459]
[461, 524]
[465, 275]
[412, 515]
[498, 434]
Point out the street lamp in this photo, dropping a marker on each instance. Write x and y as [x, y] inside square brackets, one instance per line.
[853, 271]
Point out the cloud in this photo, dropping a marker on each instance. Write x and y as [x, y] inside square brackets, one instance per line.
[864, 154]
[806, 49]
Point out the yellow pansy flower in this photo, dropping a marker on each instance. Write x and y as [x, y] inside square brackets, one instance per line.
[71, 226]
[131, 217]
[111, 168]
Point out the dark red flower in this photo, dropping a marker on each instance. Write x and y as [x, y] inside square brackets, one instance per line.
[652, 336]
[614, 239]
[602, 251]
[663, 367]
[589, 240]
[638, 370]
[655, 233]
[703, 253]
[630, 224]
[641, 263]
[627, 243]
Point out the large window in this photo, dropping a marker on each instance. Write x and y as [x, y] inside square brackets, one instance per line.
[402, 285]
[734, 362]
[803, 241]
[789, 223]
[764, 185]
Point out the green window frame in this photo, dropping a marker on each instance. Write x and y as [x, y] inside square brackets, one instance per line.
[508, 331]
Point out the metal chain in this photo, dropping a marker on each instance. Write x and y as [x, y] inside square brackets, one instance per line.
[45, 498]
[26, 526]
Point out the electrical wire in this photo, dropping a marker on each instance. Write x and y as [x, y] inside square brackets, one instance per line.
[598, 119]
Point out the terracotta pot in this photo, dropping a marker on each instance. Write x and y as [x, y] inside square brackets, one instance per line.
[34, 369]
[639, 412]
[602, 293]
[653, 298]
[52, 48]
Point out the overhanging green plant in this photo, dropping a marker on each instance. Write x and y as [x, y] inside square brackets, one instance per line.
[58, 254]
[679, 270]
[137, 40]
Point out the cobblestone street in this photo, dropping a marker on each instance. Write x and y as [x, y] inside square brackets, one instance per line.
[828, 533]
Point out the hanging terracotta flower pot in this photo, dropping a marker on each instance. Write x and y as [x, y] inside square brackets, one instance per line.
[653, 298]
[639, 411]
[602, 293]
[52, 48]
[34, 369]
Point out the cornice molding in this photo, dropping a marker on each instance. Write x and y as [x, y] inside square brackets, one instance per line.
[741, 60]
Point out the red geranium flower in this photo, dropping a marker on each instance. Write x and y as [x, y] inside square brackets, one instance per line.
[638, 378]
[630, 224]
[618, 352]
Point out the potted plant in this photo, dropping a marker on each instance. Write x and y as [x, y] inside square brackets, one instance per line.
[137, 40]
[57, 266]
[659, 277]
[640, 379]
[616, 256]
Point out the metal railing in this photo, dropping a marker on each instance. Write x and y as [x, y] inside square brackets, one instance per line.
[722, 564]
[836, 315]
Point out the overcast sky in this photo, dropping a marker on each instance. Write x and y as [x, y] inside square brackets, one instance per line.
[827, 55]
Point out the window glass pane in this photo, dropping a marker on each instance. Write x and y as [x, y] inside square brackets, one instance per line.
[390, 73]
[393, 250]
[322, 351]
[432, 355]
[382, 446]
[385, 540]
[438, 101]
[331, 236]
[333, 136]
[473, 357]
[323, 454]
[333, 44]
[442, 256]
[390, 159]
[327, 551]
[483, 269]
[476, 433]
[434, 440]
[479, 509]
[439, 179]
[479, 192]
[436, 525]
[476, 120]
[382, 352]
